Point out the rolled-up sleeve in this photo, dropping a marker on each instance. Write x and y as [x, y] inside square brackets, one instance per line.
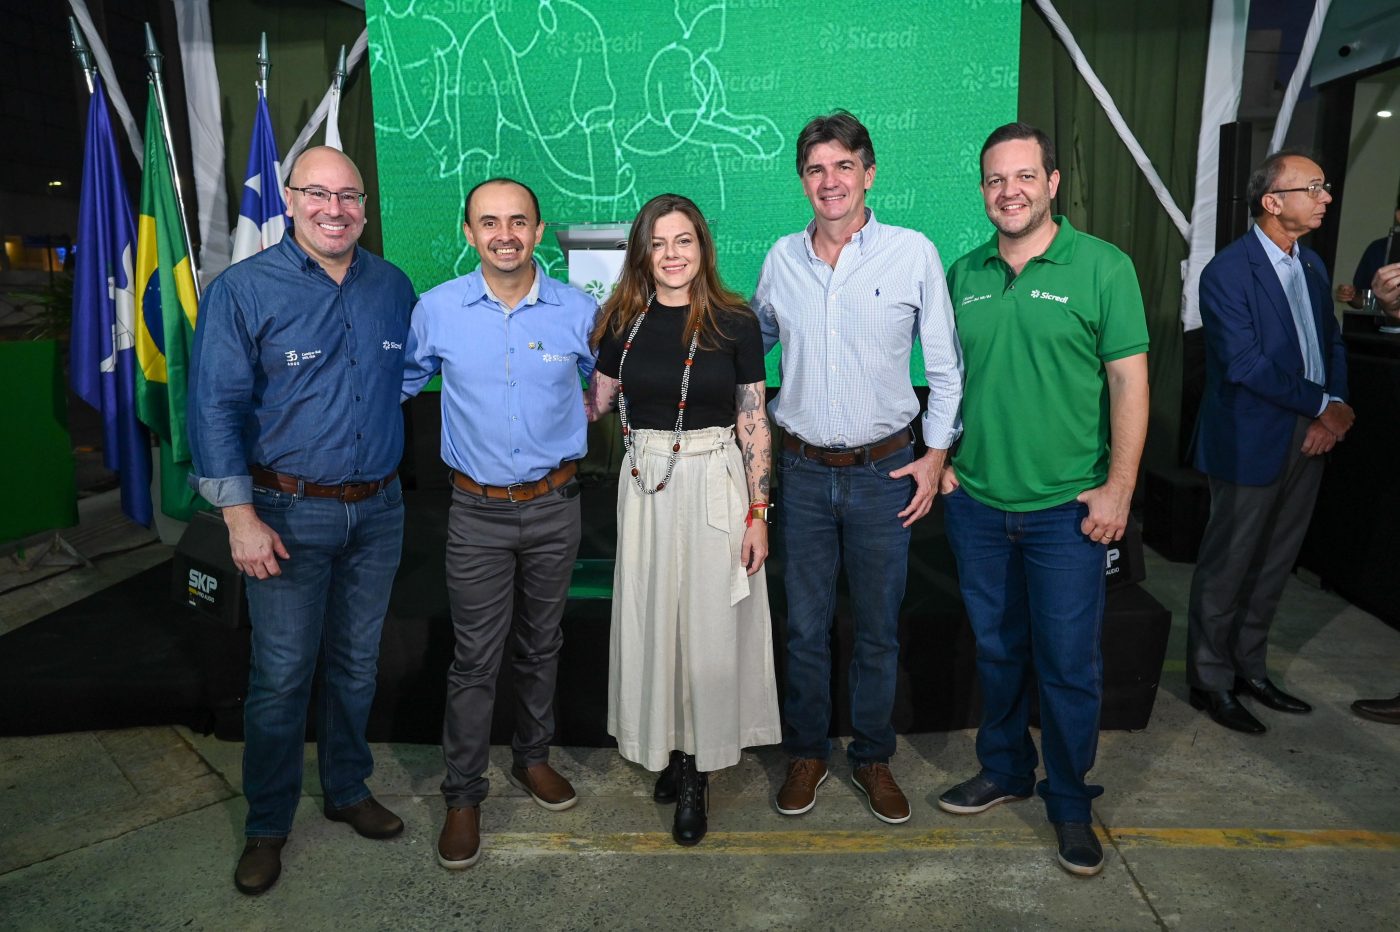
[222, 368]
[943, 363]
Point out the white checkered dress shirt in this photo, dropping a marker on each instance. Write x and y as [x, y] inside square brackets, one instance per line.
[847, 334]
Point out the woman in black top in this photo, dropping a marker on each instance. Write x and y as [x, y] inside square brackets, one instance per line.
[690, 679]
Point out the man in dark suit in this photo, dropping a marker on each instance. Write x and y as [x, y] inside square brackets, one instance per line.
[1274, 403]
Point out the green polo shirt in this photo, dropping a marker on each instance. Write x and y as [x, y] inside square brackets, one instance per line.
[1035, 399]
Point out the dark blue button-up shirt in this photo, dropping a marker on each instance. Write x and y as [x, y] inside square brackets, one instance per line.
[298, 374]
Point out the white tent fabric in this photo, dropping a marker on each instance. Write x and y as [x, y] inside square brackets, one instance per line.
[1223, 87]
[333, 122]
[1105, 100]
[109, 79]
[1300, 74]
[357, 52]
[196, 36]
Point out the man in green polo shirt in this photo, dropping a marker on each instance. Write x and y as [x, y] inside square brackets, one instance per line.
[1055, 410]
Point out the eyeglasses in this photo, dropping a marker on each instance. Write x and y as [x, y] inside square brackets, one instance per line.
[1313, 189]
[322, 196]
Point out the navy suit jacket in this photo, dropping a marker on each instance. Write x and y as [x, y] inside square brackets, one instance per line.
[1255, 391]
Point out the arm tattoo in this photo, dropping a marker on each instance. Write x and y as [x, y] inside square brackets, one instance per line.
[755, 439]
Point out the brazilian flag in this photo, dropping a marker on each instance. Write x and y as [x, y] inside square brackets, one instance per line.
[166, 307]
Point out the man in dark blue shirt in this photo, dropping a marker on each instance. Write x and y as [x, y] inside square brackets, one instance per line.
[297, 435]
[511, 344]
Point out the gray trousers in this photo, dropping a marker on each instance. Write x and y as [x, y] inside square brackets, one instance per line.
[1248, 551]
[508, 572]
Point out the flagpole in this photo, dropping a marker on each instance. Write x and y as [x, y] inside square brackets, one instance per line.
[81, 52]
[154, 62]
[264, 65]
[340, 72]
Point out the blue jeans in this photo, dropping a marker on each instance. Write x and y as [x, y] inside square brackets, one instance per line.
[330, 602]
[826, 517]
[1033, 586]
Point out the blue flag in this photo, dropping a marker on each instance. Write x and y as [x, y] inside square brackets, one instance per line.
[102, 356]
[262, 214]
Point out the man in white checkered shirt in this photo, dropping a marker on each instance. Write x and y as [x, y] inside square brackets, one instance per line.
[846, 296]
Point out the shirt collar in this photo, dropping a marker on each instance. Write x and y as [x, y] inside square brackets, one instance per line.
[1060, 251]
[1271, 249]
[543, 289]
[298, 257]
[861, 238]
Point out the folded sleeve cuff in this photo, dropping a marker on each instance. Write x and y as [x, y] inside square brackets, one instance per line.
[221, 493]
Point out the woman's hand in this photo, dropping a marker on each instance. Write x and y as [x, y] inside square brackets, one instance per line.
[754, 550]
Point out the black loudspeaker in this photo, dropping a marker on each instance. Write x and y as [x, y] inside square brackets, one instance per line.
[1231, 210]
[1176, 507]
[1124, 566]
[204, 577]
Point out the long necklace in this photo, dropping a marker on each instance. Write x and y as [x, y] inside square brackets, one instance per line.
[680, 408]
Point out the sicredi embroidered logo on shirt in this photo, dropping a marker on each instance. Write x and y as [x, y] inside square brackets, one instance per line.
[295, 358]
[390, 344]
[1037, 293]
[555, 357]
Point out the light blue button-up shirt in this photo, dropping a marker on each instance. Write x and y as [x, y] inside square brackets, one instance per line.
[1291, 277]
[848, 333]
[512, 405]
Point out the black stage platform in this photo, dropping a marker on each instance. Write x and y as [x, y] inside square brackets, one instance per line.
[131, 656]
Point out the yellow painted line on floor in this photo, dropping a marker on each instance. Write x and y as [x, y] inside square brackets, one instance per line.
[895, 840]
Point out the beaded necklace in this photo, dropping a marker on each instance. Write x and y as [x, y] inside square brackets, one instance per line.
[680, 408]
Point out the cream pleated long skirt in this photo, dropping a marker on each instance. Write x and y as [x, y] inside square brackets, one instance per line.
[691, 649]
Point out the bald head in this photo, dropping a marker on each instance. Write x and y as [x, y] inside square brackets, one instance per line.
[316, 157]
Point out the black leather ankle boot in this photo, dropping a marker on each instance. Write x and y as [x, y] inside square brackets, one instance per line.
[692, 803]
[665, 791]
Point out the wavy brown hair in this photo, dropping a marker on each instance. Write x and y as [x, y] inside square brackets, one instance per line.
[709, 298]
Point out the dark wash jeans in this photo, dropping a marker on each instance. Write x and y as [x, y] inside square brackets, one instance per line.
[827, 517]
[1033, 587]
[330, 600]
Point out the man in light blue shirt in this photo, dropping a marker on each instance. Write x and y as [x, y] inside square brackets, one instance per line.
[1274, 404]
[846, 296]
[511, 344]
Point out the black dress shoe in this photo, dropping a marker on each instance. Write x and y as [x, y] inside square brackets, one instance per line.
[367, 817]
[1378, 710]
[665, 789]
[1079, 849]
[692, 803]
[1225, 710]
[259, 866]
[1266, 692]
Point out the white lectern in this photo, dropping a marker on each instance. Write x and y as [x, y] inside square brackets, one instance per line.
[594, 252]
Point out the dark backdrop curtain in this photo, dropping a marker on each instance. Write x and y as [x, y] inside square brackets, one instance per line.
[1151, 58]
[304, 39]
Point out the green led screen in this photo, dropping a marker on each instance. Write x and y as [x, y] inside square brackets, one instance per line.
[601, 104]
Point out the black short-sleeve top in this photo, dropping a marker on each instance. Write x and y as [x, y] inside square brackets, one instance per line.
[656, 362]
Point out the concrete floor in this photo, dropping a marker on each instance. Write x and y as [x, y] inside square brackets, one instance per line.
[1204, 828]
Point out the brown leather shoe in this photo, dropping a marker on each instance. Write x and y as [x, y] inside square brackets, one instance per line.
[459, 845]
[886, 799]
[799, 792]
[259, 866]
[545, 786]
[1378, 710]
[368, 818]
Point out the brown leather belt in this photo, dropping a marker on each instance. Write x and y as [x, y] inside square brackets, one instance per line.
[849, 456]
[521, 491]
[348, 492]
